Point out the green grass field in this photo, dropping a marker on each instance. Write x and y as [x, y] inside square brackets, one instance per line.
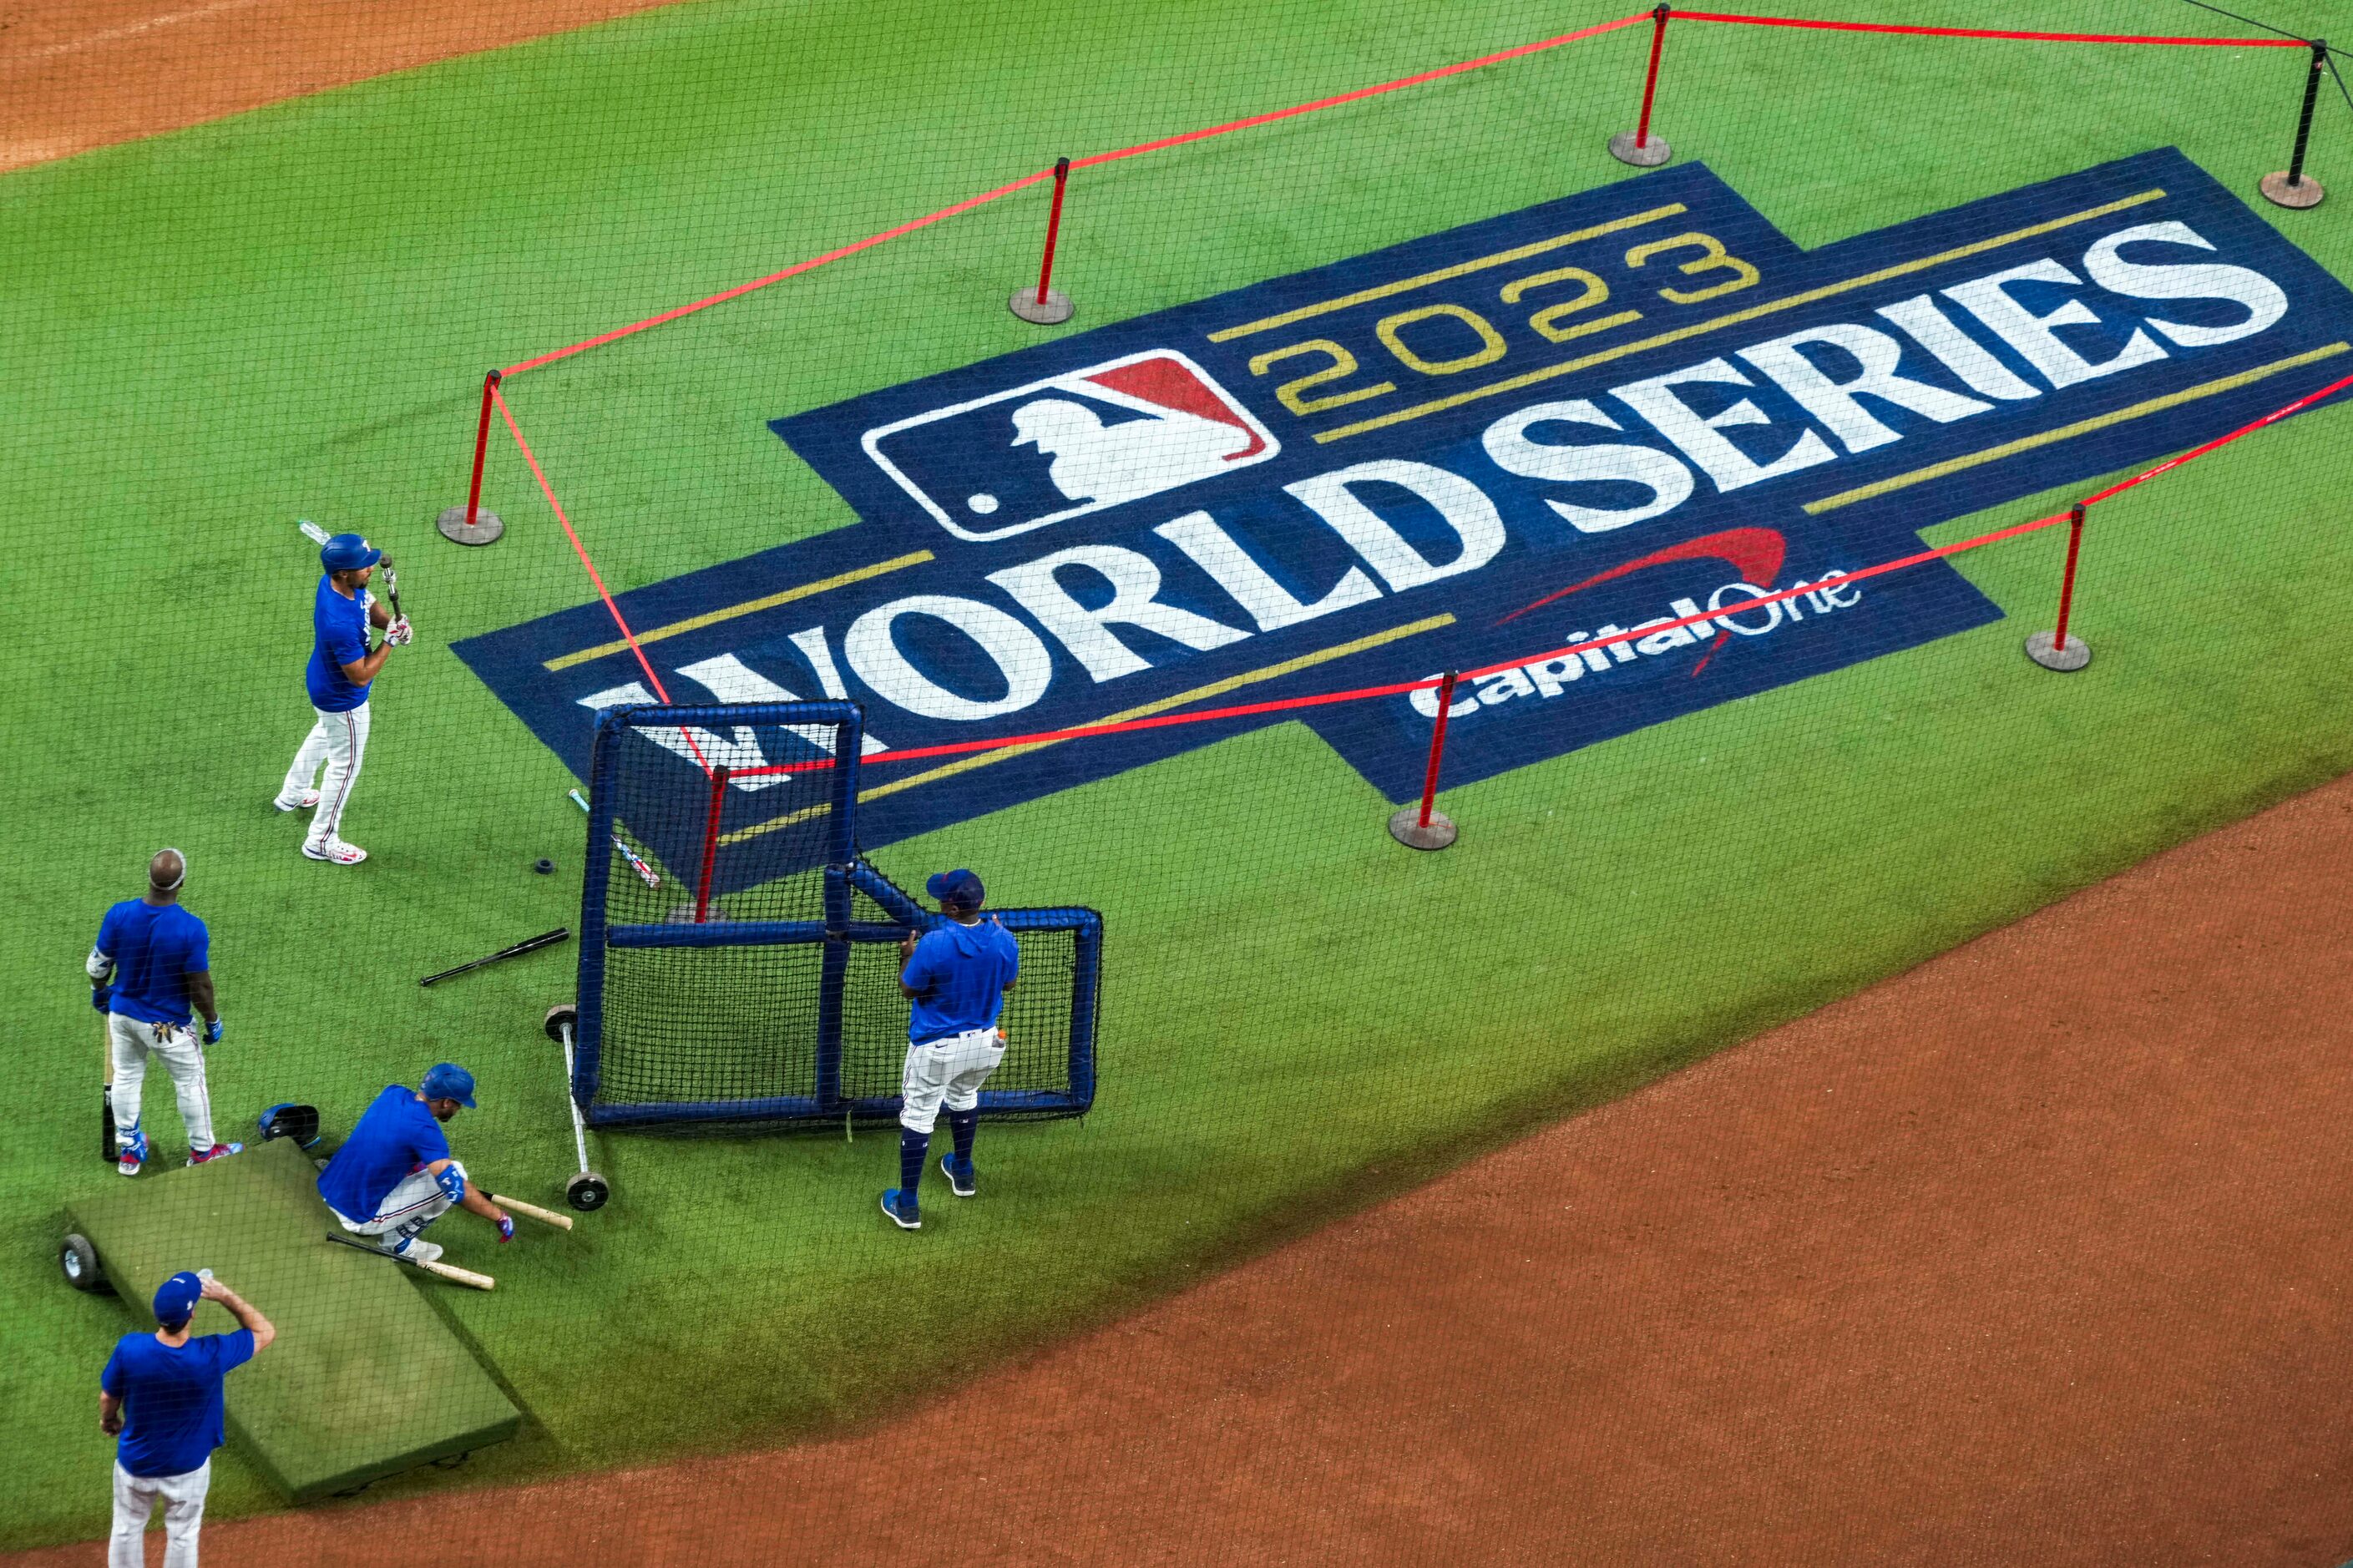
[287, 314]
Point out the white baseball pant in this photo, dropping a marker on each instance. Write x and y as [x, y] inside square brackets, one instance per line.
[337, 742]
[414, 1202]
[182, 1051]
[182, 1497]
[948, 1071]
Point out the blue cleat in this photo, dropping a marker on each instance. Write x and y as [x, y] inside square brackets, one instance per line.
[962, 1180]
[132, 1151]
[217, 1151]
[901, 1211]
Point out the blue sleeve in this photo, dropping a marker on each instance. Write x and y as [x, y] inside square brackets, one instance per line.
[430, 1142]
[106, 937]
[111, 1380]
[1012, 958]
[230, 1350]
[200, 959]
[344, 643]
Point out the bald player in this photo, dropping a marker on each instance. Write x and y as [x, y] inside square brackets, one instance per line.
[150, 973]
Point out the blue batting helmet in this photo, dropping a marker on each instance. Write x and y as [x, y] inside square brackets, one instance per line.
[348, 553]
[448, 1081]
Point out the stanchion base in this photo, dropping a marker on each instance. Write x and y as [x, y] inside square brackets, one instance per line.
[1052, 313]
[2279, 194]
[1648, 155]
[1406, 827]
[2043, 648]
[485, 527]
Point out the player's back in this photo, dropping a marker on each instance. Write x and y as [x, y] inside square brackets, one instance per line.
[154, 948]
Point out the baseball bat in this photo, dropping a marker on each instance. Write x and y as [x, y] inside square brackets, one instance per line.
[391, 583]
[646, 874]
[544, 1216]
[106, 1091]
[533, 944]
[448, 1271]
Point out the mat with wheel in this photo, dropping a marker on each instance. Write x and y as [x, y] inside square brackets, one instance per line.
[366, 1380]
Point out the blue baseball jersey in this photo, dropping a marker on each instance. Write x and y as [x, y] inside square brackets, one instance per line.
[173, 1409]
[340, 628]
[959, 974]
[396, 1135]
[155, 947]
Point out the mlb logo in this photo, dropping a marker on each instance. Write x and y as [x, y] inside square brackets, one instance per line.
[1071, 444]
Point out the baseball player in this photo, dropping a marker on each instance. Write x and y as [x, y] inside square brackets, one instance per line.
[151, 966]
[161, 1395]
[394, 1176]
[341, 669]
[957, 975]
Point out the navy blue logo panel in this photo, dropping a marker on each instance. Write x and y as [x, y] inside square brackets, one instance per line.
[1623, 409]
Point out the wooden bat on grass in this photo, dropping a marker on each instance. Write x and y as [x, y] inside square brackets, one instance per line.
[544, 1216]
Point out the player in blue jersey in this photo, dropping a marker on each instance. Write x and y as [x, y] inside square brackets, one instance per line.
[394, 1176]
[341, 669]
[161, 1395]
[151, 973]
[957, 976]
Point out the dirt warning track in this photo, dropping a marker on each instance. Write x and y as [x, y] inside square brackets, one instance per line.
[2032, 1255]
[78, 74]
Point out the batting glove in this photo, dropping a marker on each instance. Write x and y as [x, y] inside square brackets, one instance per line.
[102, 998]
[213, 1032]
[399, 633]
[506, 1227]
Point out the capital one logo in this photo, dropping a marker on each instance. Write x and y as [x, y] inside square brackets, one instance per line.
[1101, 436]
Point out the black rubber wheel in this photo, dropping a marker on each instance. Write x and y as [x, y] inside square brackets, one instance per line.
[544, 866]
[587, 1191]
[562, 1013]
[77, 1260]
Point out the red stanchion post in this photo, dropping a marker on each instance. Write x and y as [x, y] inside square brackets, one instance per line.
[1426, 827]
[2289, 187]
[2055, 650]
[469, 524]
[1639, 147]
[1045, 305]
[710, 844]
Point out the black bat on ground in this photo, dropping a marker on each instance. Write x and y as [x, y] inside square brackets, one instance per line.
[533, 944]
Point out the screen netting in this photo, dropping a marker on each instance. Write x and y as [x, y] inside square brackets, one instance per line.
[740, 961]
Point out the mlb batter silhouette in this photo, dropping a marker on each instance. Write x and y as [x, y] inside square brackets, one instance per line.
[1107, 463]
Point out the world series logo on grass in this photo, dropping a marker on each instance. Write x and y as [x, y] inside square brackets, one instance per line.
[1603, 414]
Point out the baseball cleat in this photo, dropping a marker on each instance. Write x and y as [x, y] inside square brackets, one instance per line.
[336, 850]
[901, 1210]
[217, 1151]
[965, 1182]
[310, 798]
[133, 1153]
[418, 1251]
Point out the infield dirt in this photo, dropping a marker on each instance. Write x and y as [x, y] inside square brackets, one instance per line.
[2032, 1255]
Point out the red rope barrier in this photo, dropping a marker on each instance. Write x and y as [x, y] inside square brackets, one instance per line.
[1987, 32]
[2195, 452]
[1362, 92]
[1024, 183]
[581, 551]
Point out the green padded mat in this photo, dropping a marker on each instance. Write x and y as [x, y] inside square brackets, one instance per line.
[366, 1380]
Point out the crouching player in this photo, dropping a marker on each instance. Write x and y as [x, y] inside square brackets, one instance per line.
[394, 1176]
[957, 976]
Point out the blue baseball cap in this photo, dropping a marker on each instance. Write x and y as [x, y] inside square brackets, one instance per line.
[448, 1081]
[348, 553]
[957, 886]
[176, 1299]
